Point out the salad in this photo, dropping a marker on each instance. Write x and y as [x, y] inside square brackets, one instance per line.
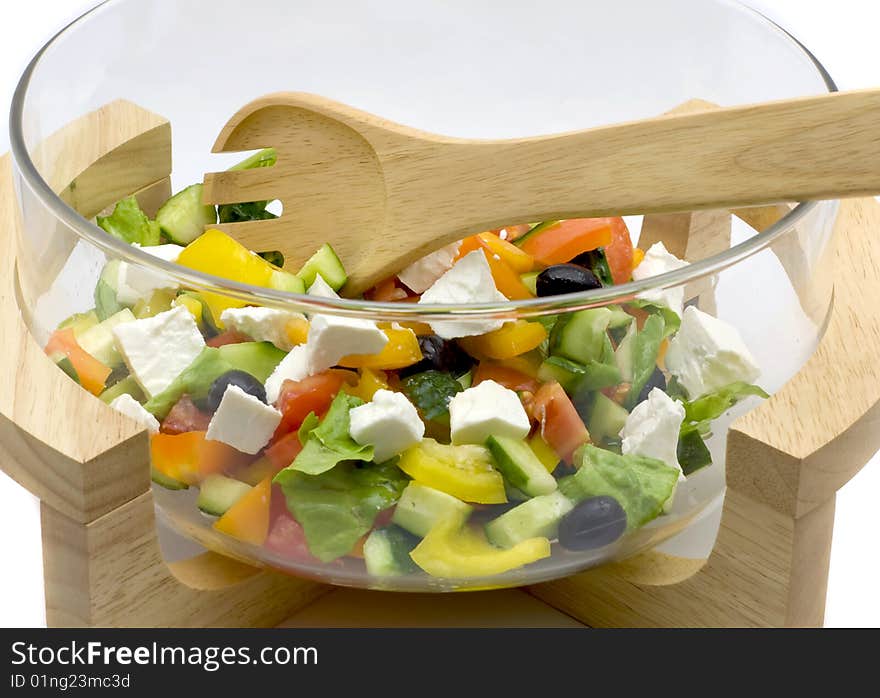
[459, 449]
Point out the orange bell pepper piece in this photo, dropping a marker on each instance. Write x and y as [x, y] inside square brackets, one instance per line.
[506, 279]
[190, 457]
[248, 519]
[92, 373]
[518, 260]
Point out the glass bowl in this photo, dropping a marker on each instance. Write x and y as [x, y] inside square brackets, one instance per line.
[477, 70]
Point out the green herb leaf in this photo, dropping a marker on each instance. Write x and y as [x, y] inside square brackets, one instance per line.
[431, 392]
[273, 257]
[251, 211]
[129, 223]
[339, 506]
[641, 485]
[329, 443]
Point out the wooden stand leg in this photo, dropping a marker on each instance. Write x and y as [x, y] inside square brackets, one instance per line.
[110, 572]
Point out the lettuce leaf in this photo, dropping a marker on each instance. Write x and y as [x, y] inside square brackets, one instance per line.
[328, 443]
[129, 223]
[671, 319]
[712, 405]
[339, 506]
[645, 350]
[641, 485]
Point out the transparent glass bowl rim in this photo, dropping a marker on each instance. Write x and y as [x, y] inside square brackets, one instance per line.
[374, 310]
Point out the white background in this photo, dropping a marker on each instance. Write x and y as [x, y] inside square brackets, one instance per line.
[841, 34]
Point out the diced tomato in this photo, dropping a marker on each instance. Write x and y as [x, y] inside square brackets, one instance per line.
[286, 536]
[620, 252]
[312, 394]
[565, 240]
[185, 416]
[386, 291]
[383, 518]
[92, 373]
[190, 457]
[561, 425]
[284, 450]
[228, 337]
[506, 376]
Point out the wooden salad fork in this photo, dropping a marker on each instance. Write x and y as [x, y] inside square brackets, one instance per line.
[384, 194]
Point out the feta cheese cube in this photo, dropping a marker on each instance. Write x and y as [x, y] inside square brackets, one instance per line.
[652, 428]
[321, 289]
[421, 274]
[390, 424]
[130, 407]
[708, 353]
[332, 337]
[658, 260]
[243, 421]
[137, 283]
[262, 324]
[158, 348]
[294, 366]
[469, 281]
[485, 410]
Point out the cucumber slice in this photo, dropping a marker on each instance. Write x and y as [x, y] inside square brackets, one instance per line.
[606, 419]
[623, 356]
[127, 385]
[326, 263]
[581, 336]
[100, 342]
[66, 365]
[106, 303]
[80, 322]
[530, 281]
[282, 280]
[263, 158]
[386, 552]
[420, 507]
[575, 378]
[520, 466]
[184, 217]
[538, 517]
[257, 358]
[619, 318]
[218, 493]
[163, 480]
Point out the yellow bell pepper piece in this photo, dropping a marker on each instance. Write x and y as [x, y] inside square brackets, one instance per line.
[369, 382]
[215, 252]
[455, 552]
[512, 339]
[548, 457]
[464, 471]
[297, 330]
[401, 350]
[638, 257]
[517, 259]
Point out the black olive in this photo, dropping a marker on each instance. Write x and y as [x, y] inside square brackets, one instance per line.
[594, 523]
[657, 380]
[241, 379]
[565, 278]
[596, 262]
[440, 354]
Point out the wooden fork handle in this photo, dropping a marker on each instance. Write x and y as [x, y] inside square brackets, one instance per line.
[805, 149]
